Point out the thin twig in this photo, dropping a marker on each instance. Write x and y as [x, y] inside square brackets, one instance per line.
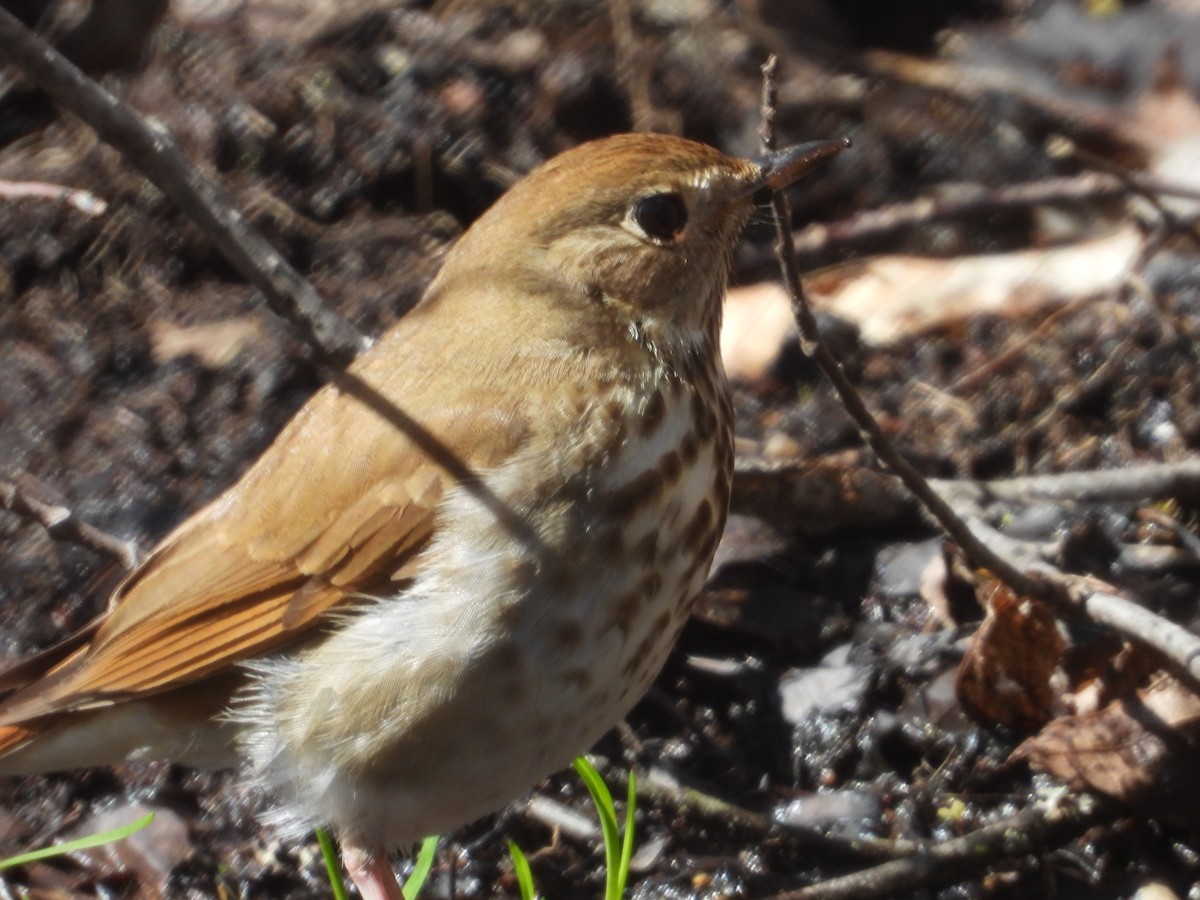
[810, 340]
[1010, 355]
[1172, 221]
[1182, 533]
[61, 523]
[821, 239]
[566, 820]
[158, 157]
[1029, 832]
[1132, 484]
[1175, 644]
[632, 73]
[84, 201]
[660, 786]
[967, 201]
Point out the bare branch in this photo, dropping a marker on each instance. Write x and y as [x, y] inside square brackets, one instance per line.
[158, 157]
[1133, 484]
[967, 201]
[84, 201]
[1030, 831]
[1174, 642]
[1038, 580]
[810, 340]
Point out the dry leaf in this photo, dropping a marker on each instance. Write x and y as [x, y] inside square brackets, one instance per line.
[894, 297]
[1011, 671]
[1128, 750]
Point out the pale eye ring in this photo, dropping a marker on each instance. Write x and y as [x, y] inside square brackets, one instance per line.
[661, 216]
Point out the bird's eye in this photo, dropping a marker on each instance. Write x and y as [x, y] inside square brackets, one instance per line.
[661, 216]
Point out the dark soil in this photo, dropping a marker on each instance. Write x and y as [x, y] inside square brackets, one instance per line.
[362, 140]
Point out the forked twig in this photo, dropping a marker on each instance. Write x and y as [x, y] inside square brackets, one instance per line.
[1176, 644]
[810, 339]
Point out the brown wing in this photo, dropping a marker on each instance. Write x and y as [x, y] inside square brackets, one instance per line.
[335, 507]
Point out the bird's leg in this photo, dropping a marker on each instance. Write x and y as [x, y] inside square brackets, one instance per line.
[371, 873]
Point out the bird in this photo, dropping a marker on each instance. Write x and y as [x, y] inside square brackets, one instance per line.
[470, 553]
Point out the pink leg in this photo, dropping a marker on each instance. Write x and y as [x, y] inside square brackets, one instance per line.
[371, 873]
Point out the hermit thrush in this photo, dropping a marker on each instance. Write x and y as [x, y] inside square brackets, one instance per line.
[466, 558]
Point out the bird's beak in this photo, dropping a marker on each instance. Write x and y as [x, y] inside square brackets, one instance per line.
[783, 167]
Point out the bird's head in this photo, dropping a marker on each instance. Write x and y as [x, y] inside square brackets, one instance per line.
[642, 226]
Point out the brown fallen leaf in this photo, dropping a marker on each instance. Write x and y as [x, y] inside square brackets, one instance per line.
[1011, 672]
[894, 297]
[150, 854]
[1138, 749]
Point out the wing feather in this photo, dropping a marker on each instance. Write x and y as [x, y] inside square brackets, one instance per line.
[309, 527]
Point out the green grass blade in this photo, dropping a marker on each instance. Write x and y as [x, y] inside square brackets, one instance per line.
[421, 867]
[627, 843]
[332, 866]
[524, 873]
[607, 812]
[83, 843]
[412, 887]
